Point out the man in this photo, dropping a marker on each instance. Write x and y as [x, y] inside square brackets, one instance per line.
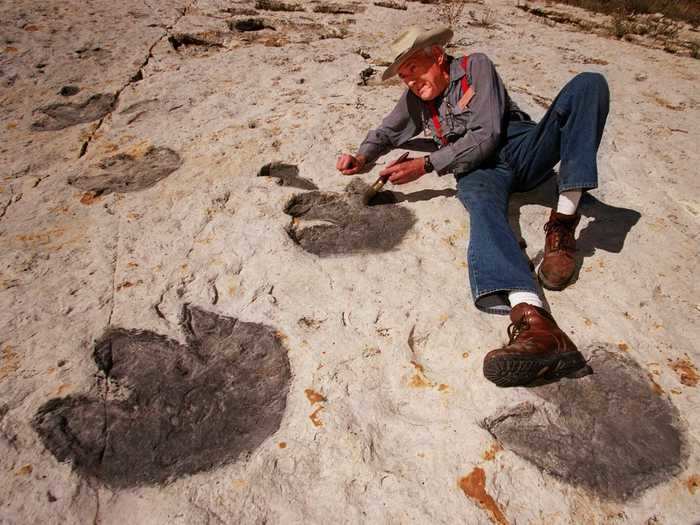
[493, 148]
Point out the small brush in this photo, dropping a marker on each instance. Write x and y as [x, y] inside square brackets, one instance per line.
[381, 181]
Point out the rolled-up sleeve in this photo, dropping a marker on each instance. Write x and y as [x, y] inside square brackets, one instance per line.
[483, 135]
[403, 123]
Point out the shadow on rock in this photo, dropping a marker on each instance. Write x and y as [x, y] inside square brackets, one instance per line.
[124, 173]
[609, 432]
[386, 197]
[607, 230]
[326, 223]
[286, 175]
[168, 409]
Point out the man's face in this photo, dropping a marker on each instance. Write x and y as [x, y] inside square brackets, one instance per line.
[423, 75]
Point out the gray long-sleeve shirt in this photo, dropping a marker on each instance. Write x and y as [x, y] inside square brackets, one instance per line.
[474, 132]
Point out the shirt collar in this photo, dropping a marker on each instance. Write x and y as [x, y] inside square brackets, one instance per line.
[456, 69]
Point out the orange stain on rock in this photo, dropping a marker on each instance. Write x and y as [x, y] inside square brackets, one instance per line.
[656, 387]
[282, 444]
[62, 389]
[89, 198]
[128, 284]
[623, 346]
[686, 371]
[9, 362]
[490, 454]
[418, 380]
[315, 419]
[239, 483]
[313, 396]
[24, 471]
[474, 487]
[41, 238]
[693, 483]
[443, 387]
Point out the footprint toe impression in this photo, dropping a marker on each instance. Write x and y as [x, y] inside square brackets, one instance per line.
[168, 409]
[328, 223]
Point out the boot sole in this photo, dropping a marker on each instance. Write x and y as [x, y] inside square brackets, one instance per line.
[519, 370]
[550, 286]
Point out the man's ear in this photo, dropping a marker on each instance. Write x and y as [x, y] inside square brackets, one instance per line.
[438, 55]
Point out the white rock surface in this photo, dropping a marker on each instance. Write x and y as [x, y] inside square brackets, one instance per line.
[399, 425]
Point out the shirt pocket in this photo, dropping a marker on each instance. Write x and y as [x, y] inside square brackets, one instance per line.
[456, 122]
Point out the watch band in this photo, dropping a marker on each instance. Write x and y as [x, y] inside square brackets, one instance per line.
[427, 165]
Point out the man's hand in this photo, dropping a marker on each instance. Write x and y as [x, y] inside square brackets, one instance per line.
[349, 164]
[406, 171]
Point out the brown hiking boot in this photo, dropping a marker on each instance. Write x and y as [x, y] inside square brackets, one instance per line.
[558, 265]
[537, 348]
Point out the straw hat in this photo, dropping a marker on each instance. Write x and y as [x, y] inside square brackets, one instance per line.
[413, 39]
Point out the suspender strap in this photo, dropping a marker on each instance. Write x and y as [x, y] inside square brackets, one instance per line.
[433, 110]
[465, 78]
[436, 123]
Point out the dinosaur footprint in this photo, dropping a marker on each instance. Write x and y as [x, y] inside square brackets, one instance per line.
[124, 172]
[63, 115]
[611, 432]
[170, 409]
[327, 223]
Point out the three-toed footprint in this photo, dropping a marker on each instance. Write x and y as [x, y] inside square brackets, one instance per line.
[168, 409]
[329, 223]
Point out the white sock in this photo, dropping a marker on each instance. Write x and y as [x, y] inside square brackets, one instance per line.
[568, 201]
[518, 296]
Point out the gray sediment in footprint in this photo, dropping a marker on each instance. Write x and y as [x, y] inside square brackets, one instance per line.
[65, 114]
[160, 409]
[328, 223]
[124, 173]
[610, 432]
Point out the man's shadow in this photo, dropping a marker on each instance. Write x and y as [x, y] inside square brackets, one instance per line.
[607, 229]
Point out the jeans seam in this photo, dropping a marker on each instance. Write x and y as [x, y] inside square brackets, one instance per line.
[501, 289]
[578, 186]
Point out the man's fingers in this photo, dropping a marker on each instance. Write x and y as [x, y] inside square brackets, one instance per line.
[347, 164]
[398, 175]
[390, 170]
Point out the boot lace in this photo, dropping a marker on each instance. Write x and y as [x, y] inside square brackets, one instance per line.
[516, 328]
[560, 236]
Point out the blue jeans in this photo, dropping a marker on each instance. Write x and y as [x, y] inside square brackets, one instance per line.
[570, 133]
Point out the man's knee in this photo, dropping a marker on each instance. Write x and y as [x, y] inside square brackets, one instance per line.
[594, 82]
[481, 197]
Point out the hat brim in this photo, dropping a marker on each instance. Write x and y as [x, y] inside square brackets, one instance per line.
[438, 37]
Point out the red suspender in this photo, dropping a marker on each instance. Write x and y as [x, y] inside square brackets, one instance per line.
[436, 123]
[431, 104]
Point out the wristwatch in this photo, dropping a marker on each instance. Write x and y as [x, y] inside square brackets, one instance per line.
[427, 165]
